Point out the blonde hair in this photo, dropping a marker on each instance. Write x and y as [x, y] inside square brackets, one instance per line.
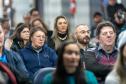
[120, 65]
[57, 41]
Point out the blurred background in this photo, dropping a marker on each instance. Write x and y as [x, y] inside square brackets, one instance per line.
[78, 11]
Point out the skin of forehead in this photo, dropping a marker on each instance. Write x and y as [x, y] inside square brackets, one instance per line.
[81, 27]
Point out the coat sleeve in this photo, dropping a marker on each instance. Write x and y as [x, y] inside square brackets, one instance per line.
[20, 70]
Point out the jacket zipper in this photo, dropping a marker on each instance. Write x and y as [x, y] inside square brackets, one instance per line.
[38, 59]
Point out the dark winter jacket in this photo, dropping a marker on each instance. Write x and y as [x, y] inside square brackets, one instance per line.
[99, 62]
[36, 60]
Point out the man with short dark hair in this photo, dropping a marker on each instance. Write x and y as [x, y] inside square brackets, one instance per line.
[34, 13]
[97, 18]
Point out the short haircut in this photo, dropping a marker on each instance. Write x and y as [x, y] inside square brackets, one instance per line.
[97, 14]
[32, 10]
[104, 24]
[4, 20]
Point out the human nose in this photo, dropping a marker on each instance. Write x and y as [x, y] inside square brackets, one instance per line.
[108, 34]
[73, 55]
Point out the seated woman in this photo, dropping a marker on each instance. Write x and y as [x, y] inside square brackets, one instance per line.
[69, 68]
[19, 38]
[37, 54]
[61, 32]
[13, 61]
[118, 74]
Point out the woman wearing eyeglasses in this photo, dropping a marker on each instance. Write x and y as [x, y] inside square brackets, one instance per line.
[69, 68]
[37, 54]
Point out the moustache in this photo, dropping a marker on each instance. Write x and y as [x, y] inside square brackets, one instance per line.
[87, 37]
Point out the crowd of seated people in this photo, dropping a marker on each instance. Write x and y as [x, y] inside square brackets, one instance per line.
[93, 55]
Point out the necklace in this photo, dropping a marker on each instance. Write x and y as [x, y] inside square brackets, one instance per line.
[62, 38]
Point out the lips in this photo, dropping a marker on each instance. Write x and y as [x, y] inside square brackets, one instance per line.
[73, 64]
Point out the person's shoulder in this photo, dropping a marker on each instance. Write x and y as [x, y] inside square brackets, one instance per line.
[88, 73]
[48, 49]
[48, 78]
[90, 77]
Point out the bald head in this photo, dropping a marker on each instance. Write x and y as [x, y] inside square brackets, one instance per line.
[82, 33]
[81, 27]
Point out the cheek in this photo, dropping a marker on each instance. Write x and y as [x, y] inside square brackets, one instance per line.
[22, 35]
[2, 36]
[66, 58]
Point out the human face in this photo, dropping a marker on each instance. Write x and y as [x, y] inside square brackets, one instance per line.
[83, 34]
[71, 58]
[97, 19]
[27, 19]
[25, 33]
[62, 25]
[38, 39]
[37, 23]
[112, 2]
[6, 27]
[107, 36]
[34, 15]
[1, 37]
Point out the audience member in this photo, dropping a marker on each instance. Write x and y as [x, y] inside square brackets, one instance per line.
[114, 8]
[69, 68]
[34, 13]
[19, 38]
[61, 32]
[13, 61]
[106, 51]
[6, 27]
[118, 74]
[37, 54]
[97, 18]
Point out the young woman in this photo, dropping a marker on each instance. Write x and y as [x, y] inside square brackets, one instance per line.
[19, 39]
[61, 32]
[69, 68]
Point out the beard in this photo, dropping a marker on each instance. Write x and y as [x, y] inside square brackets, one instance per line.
[84, 40]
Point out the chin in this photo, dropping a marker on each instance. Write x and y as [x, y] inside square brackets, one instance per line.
[71, 70]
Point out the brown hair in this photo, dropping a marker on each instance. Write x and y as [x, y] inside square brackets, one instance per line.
[104, 24]
[41, 21]
[33, 30]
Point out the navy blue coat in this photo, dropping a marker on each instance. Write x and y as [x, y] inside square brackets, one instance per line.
[34, 61]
